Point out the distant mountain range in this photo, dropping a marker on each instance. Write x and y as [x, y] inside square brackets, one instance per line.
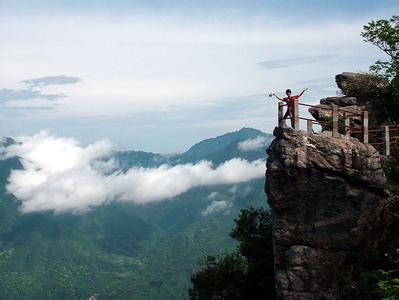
[125, 250]
[217, 150]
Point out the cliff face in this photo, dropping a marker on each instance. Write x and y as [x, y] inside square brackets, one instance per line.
[328, 202]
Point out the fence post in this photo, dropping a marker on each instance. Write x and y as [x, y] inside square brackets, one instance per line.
[281, 120]
[309, 126]
[335, 120]
[347, 124]
[295, 120]
[365, 126]
[387, 148]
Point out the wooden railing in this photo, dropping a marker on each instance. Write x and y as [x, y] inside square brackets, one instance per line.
[385, 137]
[380, 136]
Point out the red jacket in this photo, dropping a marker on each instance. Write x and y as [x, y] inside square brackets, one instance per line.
[290, 101]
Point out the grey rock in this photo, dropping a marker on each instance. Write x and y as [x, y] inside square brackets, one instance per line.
[371, 92]
[328, 199]
[340, 101]
[362, 85]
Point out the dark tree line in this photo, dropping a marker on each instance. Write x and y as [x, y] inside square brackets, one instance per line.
[246, 273]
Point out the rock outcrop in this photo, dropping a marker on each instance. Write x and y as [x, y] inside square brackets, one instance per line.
[359, 92]
[340, 101]
[328, 200]
[363, 86]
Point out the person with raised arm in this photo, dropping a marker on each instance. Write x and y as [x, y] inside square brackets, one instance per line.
[290, 102]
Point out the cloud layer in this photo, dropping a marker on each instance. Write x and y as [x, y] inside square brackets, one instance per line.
[51, 80]
[215, 207]
[252, 144]
[33, 97]
[290, 62]
[26, 94]
[60, 175]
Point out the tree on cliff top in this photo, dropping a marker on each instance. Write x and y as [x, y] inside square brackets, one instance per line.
[385, 35]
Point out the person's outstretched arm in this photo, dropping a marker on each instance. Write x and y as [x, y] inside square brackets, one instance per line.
[277, 97]
[304, 90]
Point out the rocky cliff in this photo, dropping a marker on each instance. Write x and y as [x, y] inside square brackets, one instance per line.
[360, 92]
[328, 203]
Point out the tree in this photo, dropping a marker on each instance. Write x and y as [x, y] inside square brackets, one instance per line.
[254, 232]
[248, 272]
[385, 35]
[220, 278]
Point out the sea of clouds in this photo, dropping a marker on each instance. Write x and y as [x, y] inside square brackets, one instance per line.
[61, 175]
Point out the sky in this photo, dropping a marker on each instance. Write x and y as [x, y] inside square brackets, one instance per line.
[162, 75]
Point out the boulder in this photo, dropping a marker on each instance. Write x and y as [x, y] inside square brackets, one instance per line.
[328, 201]
[362, 86]
[340, 101]
[373, 93]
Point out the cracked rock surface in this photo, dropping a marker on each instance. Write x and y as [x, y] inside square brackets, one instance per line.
[327, 197]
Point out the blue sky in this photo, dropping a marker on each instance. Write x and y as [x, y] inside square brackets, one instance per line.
[250, 7]
[162, 75]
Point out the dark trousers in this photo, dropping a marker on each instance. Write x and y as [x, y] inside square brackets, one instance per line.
[290, 115]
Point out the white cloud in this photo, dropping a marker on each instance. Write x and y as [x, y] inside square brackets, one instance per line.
[285, 63]
[215, 207]
[61, 175]
[212, 195]
[142, 61]
[252, 144]
[233, 190]
[51, 80]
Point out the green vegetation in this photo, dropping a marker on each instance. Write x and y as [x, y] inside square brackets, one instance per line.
[380, 277]
[122, 250]
[328, 124]
[246, 273]
[384, 34]
[388, 284]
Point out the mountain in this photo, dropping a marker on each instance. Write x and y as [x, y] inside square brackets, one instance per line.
[6, 141]
[209, 147]
[125, 250]
[217, 150]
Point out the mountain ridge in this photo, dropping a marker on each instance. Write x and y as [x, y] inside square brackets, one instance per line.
[121, 250]
[212, 149]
